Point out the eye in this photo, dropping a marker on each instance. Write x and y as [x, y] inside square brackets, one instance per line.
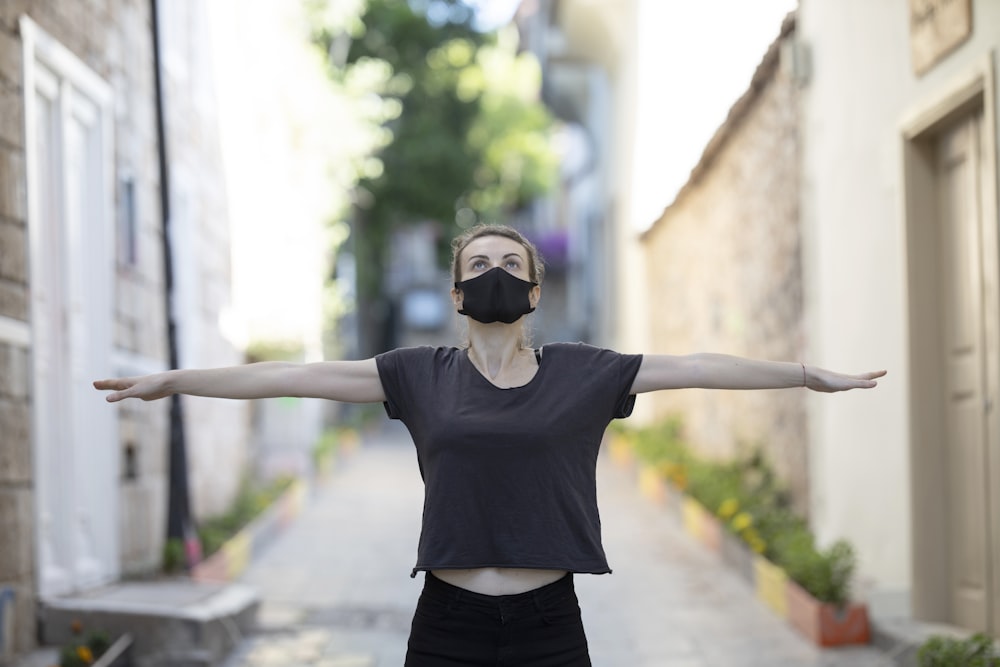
[513, 264]
[478, 264]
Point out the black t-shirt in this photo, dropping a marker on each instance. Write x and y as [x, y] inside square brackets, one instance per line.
[509, 474]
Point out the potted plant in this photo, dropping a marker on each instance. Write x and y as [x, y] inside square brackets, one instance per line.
[975, 651]
[818, 593]
[94, 649]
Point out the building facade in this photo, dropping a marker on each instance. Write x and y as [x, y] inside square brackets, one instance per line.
[587, 52]
[83, 485]
[863, 235]
[725, 262]
[899, 212]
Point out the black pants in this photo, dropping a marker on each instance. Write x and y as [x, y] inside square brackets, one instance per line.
[540, 628]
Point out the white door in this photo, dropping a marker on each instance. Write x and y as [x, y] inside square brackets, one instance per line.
[959, 181]
[70, 235]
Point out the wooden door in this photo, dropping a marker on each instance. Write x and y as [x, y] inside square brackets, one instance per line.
[67, 117]
[958, 182]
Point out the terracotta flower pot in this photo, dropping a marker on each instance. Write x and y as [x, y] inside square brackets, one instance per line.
[827, 624]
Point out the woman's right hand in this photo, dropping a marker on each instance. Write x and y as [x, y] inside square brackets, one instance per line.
[146, 387]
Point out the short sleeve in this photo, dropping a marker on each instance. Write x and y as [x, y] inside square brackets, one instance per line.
[607, 376]
[396, 368]
[628, 368]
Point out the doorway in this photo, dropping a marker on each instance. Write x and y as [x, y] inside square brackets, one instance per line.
[950, 158]
[68, 112]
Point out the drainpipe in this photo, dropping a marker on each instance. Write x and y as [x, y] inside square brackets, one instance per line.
[179, 524]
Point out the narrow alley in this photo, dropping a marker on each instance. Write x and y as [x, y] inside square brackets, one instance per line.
[336, 590]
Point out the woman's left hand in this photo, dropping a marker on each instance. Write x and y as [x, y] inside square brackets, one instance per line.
[820, 379]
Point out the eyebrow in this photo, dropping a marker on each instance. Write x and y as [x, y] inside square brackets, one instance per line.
[510, 254]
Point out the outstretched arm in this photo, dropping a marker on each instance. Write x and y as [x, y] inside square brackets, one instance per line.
[347, 381]
[722, 371]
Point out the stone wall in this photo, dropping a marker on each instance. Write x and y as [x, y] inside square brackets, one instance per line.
[113, 38]
[725, 263]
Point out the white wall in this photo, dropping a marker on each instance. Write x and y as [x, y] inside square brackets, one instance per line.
[860, 89]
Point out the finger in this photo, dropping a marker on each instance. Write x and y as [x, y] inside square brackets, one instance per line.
[872, 375]
[113, 383]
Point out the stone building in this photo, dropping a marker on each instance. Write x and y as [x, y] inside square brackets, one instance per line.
[83, 485]
[870, 241]
[724, 261]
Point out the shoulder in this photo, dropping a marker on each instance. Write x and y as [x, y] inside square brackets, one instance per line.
[592, 359]
[578, 350]
[421, 356]
[418, 352]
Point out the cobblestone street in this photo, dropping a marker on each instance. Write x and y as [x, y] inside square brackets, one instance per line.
[336, 590]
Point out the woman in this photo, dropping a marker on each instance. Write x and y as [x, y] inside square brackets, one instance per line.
[507, 440]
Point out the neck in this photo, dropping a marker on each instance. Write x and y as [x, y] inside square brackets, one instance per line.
[494, 347]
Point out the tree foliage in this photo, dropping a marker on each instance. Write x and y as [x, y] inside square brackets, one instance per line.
[466, 137]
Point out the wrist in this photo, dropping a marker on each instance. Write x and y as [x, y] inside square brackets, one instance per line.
[170, 381]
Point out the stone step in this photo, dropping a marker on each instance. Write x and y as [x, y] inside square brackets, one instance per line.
[174, 623]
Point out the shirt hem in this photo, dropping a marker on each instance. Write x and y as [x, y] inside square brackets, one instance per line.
[575, 570]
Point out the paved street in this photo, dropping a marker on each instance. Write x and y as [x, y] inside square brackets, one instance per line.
[337, 593]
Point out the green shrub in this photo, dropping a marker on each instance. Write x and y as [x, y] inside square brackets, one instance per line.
[711, 484]
[750, 501]
[975, 651]
[83, 653]
[250, 501]
[326, 445]
[659, 444]
[173, 555]
[826, 575]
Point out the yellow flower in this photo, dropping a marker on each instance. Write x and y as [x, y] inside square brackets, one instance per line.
[757, 545]
[741, 522]
[84, 654]
[728, 508]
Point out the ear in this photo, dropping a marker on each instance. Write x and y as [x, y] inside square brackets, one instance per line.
[534, 296]
[456, 297]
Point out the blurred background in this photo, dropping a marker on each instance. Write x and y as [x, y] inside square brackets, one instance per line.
[204, 183]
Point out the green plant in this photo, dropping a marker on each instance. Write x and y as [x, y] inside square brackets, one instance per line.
[975, 651]
[659, 444]
[250, 501]
[84, 652]
[826, 574]
[751, 502]
[326, 445]
[173, 555]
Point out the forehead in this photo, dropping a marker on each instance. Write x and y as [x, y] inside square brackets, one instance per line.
[493, 246]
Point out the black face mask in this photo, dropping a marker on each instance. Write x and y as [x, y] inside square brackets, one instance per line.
[495, 296]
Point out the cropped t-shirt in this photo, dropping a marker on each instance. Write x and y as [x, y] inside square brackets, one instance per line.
[509, 474]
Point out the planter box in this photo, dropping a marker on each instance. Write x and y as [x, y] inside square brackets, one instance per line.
[652, 485]
[711, 531]
[771, 585]
[824, 623]
[692, 516]
[620, 451]
[233, 558]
